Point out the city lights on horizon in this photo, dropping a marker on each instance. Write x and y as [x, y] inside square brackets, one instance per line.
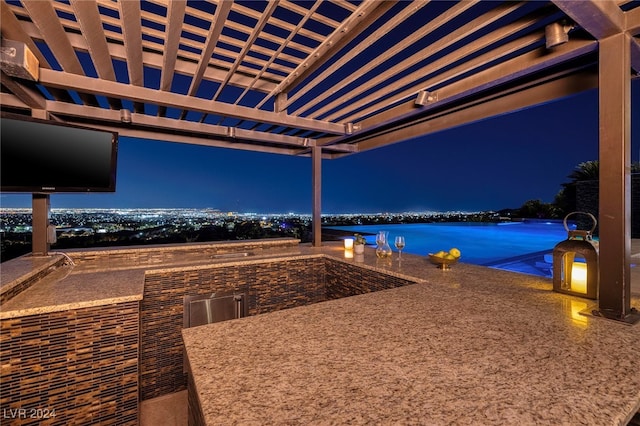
[217, 212]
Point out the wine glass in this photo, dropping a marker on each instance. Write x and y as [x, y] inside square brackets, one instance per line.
[399, 245]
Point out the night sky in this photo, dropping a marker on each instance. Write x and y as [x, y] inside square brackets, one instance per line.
[489, 165]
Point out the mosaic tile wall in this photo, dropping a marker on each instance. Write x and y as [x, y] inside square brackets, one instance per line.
[165, 255]
[74, 367]
[344, 280]
[269, 286]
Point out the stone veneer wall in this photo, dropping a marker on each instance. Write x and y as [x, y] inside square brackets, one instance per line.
[587, 198]
[74, 367]
[270, 286]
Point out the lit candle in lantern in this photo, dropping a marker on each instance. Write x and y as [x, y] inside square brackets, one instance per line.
[348, 243]
[579, 277]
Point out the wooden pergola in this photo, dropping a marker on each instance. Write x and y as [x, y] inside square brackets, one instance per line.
[330, 78]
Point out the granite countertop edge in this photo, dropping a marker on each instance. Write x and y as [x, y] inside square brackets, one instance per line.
[90, 289]
[19, 313]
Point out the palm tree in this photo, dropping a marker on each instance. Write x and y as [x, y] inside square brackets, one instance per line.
[589, 170]
[565, 199]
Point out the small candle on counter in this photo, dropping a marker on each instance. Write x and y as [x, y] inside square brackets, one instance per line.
[348, 243]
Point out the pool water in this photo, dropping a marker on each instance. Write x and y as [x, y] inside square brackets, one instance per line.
[479, 243]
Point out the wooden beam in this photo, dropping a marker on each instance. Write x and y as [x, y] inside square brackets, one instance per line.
[12, 30]
[45, 18]
[175, 18]
[367, 12]
[91, 27]
[512, 70]
[9, 100]
[634, 45]
[599, 18]
[172, 126]
[392, 72]
[512, 101]
[356, 110]
[281, 97]
[316, 182]
[132, 38]
[222, 12]
[615, 179]
[603, 19]
[25, 91]
[632, 21]
[143, 94]
[40, 206]
[210, 142]
[248, 44]
[154, 59]
[387, 27]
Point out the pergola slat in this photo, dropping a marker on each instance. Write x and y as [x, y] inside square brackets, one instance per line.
[132, 36]
[392, 72]
[91, 27]
[175, 19]
[45, 18]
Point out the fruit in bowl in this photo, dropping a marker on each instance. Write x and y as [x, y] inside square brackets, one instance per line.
[444, 259]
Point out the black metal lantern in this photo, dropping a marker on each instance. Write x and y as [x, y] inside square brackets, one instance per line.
[575, 263]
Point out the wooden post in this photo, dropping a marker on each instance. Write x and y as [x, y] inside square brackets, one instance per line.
[40, 224]
[316, 217]
[615, 178]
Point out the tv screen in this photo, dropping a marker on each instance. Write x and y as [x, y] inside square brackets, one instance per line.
[42, 156]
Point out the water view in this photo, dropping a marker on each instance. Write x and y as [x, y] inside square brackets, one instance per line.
[480, 243]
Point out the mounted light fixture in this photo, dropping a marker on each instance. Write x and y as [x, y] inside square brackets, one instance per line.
[125, 116]
[575, 263]
[349, 128]
[231, 132]
[424, 97]
[556, 34]
[17, 60]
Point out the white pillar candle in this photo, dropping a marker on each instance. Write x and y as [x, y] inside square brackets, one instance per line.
[348, 243]
[579, 278]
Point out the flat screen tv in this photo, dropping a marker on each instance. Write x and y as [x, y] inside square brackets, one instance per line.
[44, 157]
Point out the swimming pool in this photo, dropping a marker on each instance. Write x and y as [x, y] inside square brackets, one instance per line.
[479, 243]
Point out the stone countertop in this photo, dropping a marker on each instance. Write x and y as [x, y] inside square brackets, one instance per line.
[109, 280]
[112, 279]
[65, 289]
[15, 271]
[471, 345]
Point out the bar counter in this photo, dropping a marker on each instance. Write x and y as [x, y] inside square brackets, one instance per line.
[471, 345]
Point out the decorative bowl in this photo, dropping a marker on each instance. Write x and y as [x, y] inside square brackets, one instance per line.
[442, 263]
